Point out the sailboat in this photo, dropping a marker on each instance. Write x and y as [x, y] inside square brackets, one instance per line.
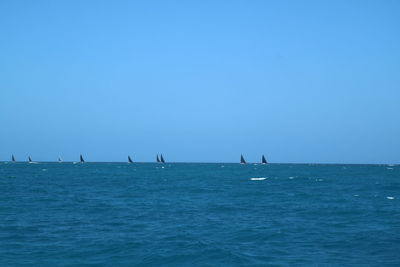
[158, 159]
[13, 158]
[130, 160]
[162, 159]
[242, 161]
[30, 161]
[263, 160]
[81, 159]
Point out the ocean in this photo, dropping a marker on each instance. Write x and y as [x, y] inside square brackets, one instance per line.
[192, 214]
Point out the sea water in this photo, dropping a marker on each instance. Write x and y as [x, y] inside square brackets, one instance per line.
[183, 214]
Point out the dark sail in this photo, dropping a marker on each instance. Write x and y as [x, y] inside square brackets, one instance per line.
[12, 158]
[59, 159]
[81, 159]
[158, 159]
[162, 159]
[242, 161]
[129, 159]
[29, 159]
[263, 160]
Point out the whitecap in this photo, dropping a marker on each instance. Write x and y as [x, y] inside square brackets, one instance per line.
[258, 178]
[390, 197]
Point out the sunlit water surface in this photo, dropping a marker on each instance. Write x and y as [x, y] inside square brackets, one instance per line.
[119, 214]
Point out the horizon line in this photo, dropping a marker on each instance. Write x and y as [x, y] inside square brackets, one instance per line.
[199, 162]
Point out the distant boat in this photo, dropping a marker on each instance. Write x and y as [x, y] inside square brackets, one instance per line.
[13, 158]
[59, 160]
[242, 161]
[158, 159]
[263, 160]
[130, 160]
[81, 159]
[30, 160]
[162, 159]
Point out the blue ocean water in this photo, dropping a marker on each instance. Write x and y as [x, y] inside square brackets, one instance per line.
[144, 214]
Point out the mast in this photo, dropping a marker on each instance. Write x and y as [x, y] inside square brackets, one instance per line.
[12, 158]
[130, 160]
[162, 159]
[263, 160]
[242, 161]
[158, 159]
[81, 159]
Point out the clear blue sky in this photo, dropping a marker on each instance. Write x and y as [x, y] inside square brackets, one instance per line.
[298, 81]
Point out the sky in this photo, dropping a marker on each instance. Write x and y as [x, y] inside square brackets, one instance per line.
[201, 81]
